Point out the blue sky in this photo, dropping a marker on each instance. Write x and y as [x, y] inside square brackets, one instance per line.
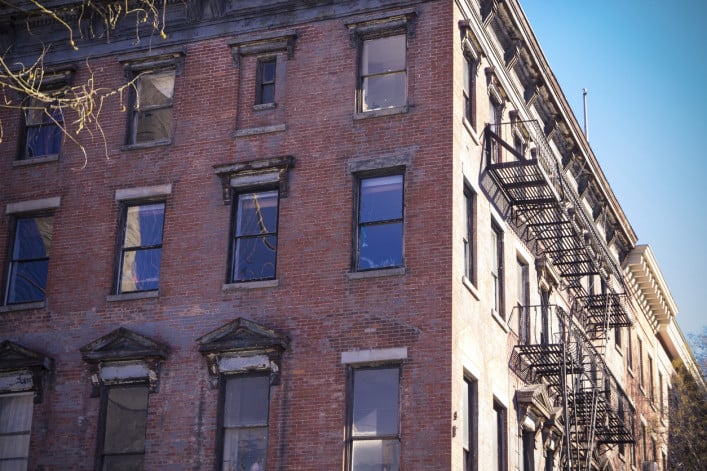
[644, 64]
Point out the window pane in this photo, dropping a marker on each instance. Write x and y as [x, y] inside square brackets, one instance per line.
[255, 258]
[257, 213]
[381, 198]
[245, 449]
[383, 55]
[154, 125]
[376, 455]
[126, 417]
[140, 270]
[123, 463]
[375, 410]
[43, 140]
[15, 419]
[384, 91]
[28, 280]
[143, 225]
[380, 245]
[155, 89]
[268, 71]
[246, 401]
[33, 238]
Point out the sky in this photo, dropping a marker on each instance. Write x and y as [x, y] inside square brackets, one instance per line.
[644, 65]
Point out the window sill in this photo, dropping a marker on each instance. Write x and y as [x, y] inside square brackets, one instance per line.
[619, 349]
[36, 160]
[470, 286]
[630, 371]
[23, 306]
[470, 129]
[132, 296]
[146, 145]
[358, 275]
[261, 130]
[502, 323]
[382, 112]
[250, 285]
[265, 106]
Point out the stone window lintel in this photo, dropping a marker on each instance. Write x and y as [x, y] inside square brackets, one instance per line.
[255, 171]
[382, 24]
[270, 43]
[147, 61]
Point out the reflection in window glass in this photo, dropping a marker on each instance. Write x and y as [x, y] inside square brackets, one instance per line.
[255, 242]
[15, 425]
[266, 81]
[43, 130]
[375, 440]
[29, 262]
[125, 425]
[141, 248]
[245, 423]
[383, 73]
[380, 222]
[152, 109]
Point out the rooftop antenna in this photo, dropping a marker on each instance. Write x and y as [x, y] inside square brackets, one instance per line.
[586, 126]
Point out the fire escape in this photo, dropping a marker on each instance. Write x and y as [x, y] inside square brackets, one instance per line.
[563, 349]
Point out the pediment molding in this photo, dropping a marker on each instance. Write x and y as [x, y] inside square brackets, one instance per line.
[23, 369]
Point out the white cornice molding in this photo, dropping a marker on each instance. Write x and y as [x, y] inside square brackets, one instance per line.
[643, 268]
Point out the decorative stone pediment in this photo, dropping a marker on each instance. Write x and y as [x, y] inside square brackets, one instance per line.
[255, 172]
[241, 346]
[536, 397]
[122, 357]
[22, 369]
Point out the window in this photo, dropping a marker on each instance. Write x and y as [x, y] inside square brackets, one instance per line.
[644, 442]
[651, 382]
[469, 239]
[379, 236]
[265, 81]
[383, 77]
[29, 259]
[545, 316]
[499, 447]
[124, 421]
[493, 148]
[469, 79]
[523, 301]
[254, 246]
[374, 419]
[629, 351]
[617, 336]
[43, 129]
[661, 396]
[140, 247]
[15, 425]
[245, 422]
[497, 269]
[640, 364]
[470, 425]
[152, 101]
[528, 450]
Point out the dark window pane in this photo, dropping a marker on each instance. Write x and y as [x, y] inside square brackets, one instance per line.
[140, 270]
[245, 449]
[381, 198]
[268, 71]
[257, 213]
[28, 280]
[154, 125]
[123, 463]
[33, 238]
[246, 401]
[126, 416]
[375, 409]
[383, 55]
[381, 246]
[255, 258]
[143, 225]
[43, 140]
[376, 455]
[267, 93]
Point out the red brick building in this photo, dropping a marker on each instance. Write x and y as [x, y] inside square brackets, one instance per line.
[290, 245]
